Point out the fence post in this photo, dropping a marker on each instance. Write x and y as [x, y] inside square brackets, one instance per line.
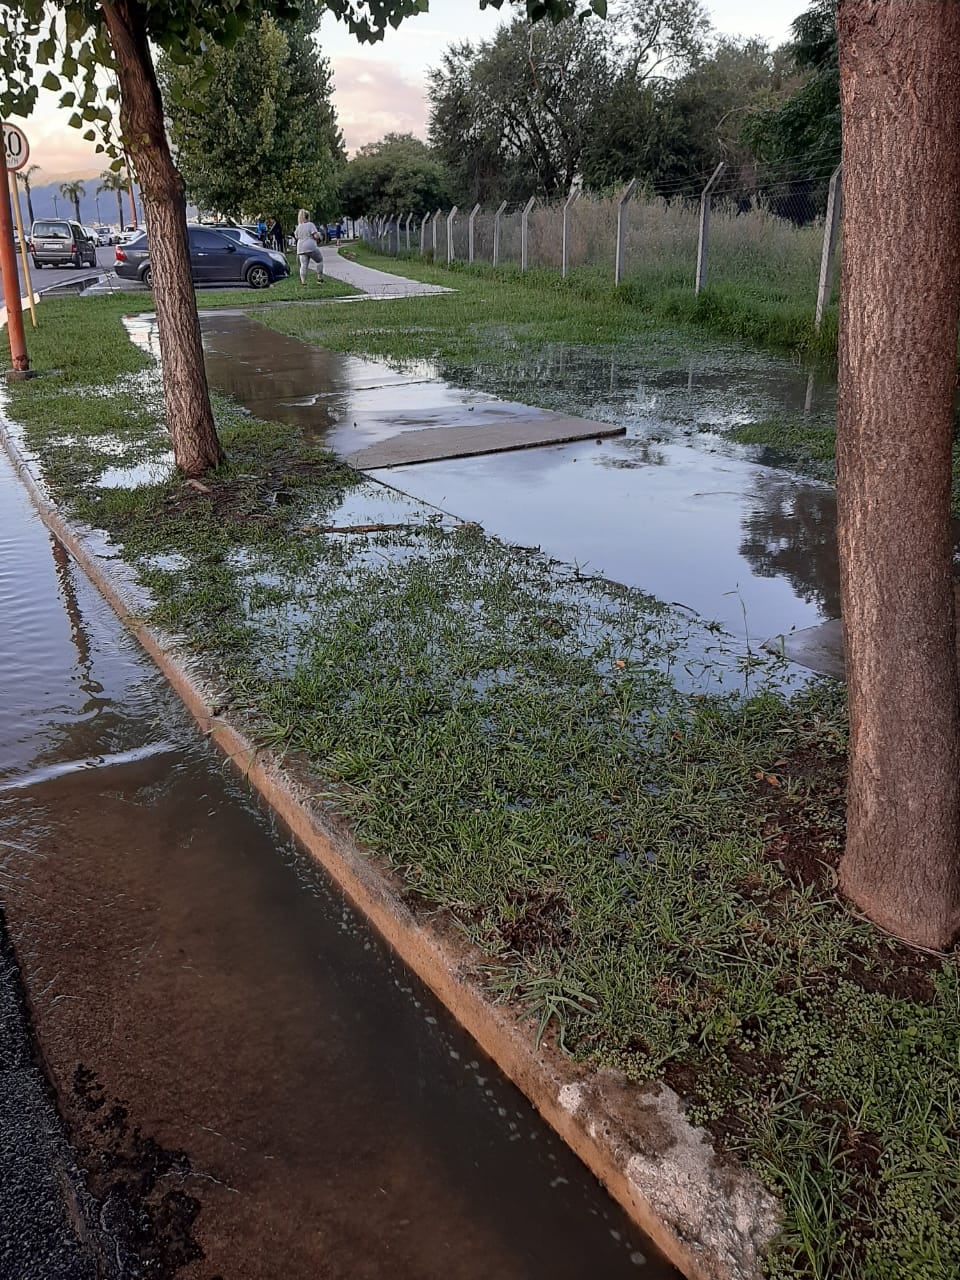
[625, 198]
[473, 217]
[830, 228]
[524, 220]
[423, 233]
[570, 201]
[433, 228]
[407, 228]
[450, 217]
[705, 226]
[496, 232]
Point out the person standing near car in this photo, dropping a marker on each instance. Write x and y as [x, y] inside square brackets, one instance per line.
[308, 247]
[276, 232]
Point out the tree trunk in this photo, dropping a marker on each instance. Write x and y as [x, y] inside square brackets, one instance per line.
[120, 208]
[76, 206]
[185, 394]
[900, 104]
[29, 202]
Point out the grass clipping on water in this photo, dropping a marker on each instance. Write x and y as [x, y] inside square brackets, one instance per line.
[639, 847]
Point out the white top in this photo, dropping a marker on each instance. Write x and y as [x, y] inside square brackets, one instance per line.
[304, 236]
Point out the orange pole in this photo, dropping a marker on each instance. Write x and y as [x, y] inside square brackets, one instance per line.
[11, 281]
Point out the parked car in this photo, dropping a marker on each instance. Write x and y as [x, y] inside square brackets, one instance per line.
[103, 236]
[240, 235]
[55, 242]
[214, 259]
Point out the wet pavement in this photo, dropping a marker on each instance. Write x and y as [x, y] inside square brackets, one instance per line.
[251, 1084]
[368, 414]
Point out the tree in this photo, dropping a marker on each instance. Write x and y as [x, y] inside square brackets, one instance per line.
[399, 173]
[672, 131]
[509, 116]
[267, 142]
[900, 108]
[801, 128]
[74, 191]
[118, 35]
[661, 37]
[25, 178]
[114, 181]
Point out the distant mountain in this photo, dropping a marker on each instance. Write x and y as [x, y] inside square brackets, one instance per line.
[49, 203]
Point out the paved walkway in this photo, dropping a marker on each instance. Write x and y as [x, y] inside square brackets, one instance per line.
[378, 284]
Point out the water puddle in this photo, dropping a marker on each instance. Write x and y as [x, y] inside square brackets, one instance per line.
[254, 1082]
[751, 548]
[673, 508]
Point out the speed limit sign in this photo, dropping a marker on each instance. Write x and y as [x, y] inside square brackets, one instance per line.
[16, 147]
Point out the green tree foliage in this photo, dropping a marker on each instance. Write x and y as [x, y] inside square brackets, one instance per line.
[803, 126]
[73, 191]
[116, 183]
[509, 115]
[265, 140]
[534, 107]
[400, 173]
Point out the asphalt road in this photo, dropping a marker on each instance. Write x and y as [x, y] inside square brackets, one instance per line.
[49, 276]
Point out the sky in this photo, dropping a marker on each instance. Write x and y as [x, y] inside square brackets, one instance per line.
[381, 88]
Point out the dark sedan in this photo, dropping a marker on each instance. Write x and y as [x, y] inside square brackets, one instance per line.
[214, 259]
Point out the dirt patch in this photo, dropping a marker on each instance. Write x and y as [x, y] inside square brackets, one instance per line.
[265, 496]
[539, 919]
[149, 1217]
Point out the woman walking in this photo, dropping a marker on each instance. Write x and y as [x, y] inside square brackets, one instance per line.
[308, 248]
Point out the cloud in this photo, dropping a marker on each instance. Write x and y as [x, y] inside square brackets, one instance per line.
[59, 150]
[372, 98]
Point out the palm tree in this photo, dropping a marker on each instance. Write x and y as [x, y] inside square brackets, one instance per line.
[73, 191]
[112, 180]
[24, 177]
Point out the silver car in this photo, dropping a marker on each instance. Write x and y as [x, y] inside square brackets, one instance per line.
[57, 242]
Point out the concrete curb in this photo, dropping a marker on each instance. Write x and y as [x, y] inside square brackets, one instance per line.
[713, 1220]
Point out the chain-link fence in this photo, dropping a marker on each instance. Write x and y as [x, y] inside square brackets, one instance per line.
[777, 238]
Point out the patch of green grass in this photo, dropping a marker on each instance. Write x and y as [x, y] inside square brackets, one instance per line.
[623, 814]
[288, 290]
[590, 309]
[801, 446]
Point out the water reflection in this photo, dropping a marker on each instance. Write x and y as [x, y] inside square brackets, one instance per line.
[790, 531]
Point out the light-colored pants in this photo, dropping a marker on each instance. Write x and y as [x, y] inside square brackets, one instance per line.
[311, 260]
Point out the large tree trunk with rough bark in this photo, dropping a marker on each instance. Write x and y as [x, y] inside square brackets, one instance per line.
[185, 394]
[900, 104]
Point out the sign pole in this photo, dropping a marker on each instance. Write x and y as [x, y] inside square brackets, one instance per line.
[11, 281]
[15, 201]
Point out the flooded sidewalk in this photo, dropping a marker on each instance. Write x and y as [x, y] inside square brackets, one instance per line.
[251, 1083]
[670, 507]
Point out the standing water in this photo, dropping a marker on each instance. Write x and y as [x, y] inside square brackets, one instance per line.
[252, 1084]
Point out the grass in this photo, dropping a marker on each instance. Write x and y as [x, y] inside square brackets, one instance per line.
[626, 815]
[655, 295]
[288, 290]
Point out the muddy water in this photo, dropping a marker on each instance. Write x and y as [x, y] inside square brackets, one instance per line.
[254, 1086]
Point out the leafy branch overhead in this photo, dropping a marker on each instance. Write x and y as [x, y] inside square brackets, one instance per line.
[65, 47]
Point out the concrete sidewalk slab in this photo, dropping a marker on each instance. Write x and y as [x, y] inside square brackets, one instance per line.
[381, 284]
[435, 444]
